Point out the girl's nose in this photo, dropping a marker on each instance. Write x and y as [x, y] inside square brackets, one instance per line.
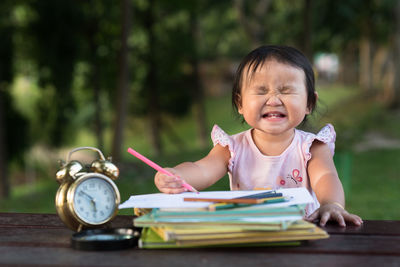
[274, 100]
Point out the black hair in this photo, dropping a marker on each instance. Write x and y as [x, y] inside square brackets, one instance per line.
[283, 54]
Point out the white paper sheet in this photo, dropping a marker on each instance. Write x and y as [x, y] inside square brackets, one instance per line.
[296, 196]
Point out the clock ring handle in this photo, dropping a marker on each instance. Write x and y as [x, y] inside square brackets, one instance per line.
[85, 147]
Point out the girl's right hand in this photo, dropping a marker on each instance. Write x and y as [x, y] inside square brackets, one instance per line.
[169, 184]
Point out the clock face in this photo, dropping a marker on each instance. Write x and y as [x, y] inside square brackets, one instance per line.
[95, 199]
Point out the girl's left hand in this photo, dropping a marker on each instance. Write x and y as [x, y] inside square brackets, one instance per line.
[334, 212]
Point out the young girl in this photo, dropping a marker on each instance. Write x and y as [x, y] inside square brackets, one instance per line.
[274, 92]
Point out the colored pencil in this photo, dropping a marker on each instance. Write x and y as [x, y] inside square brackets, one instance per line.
[159, 168]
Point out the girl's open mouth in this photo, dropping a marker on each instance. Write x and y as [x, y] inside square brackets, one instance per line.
[274, 115]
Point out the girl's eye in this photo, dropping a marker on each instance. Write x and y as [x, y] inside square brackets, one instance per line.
[260, 91]
[286, 90]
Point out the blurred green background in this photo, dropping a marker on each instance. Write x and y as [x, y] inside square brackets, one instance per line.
[156, 75]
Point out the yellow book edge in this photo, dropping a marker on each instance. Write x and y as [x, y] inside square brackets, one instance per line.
[150, 240]
[171, 233]
[316, 234]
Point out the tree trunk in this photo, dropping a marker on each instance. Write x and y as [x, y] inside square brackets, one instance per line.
[95, 84]
[197, 90]
[4, 183]
[365, 63]
[98, 121]
[348, 69]
[151, 88]
[123, 82]
[254, 24]
[379, 66]
[306, 41]
[395, 100]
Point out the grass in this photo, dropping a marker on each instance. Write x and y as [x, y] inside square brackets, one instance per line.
[375, 184]
[370, 178]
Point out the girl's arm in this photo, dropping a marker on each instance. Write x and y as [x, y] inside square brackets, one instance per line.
[327, 187]
[200, 174]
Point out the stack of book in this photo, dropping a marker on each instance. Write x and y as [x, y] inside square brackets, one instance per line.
[244, 218]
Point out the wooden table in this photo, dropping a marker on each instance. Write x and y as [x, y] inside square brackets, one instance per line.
[42, 239]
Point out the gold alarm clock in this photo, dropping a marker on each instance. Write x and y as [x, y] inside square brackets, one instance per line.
[87, 196]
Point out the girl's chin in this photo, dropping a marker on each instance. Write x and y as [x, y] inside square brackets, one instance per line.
[273, 130]
[276, 128]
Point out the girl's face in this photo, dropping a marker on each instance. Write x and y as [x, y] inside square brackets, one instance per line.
[273, 99]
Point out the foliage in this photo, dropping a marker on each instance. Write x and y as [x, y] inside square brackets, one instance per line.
[16, 134]
[171, 53]
[340, 23]
[55, 55]
[70, 50]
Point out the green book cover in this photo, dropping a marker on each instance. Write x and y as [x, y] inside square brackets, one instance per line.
[148, 220]
[232, 212]
[150, 239]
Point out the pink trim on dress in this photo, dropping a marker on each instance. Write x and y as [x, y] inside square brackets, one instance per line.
[218, 136]
[326, 135]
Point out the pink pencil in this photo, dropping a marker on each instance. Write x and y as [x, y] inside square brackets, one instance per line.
[159, 168]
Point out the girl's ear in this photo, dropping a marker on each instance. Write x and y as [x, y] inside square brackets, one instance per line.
[309, 110]
[239, 103]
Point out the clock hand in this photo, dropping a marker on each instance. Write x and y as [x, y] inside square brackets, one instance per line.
[92, 200]
[86, 194]
[94, 204]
